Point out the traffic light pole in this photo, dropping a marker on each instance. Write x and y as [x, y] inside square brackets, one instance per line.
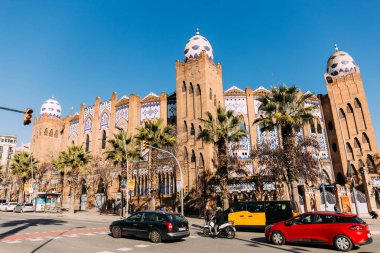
[10, 109]
[180, 170]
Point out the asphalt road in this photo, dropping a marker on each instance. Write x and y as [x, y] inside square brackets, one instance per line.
[29, 233]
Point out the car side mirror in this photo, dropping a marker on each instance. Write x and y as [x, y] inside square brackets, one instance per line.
[288, 223]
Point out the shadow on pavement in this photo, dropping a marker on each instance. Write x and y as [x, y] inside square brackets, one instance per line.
[24, 224]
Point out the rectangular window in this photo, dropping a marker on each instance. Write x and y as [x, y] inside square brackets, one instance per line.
[9, 156]
[323, 219]
[10, 150]
[255, 207]
[1, 148]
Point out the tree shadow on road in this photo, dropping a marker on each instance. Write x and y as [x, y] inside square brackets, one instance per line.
[24, 224]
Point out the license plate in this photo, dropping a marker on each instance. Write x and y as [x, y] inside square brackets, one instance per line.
[181, 229]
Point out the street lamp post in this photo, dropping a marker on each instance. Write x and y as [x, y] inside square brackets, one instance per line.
[180, 170]
[126, 162]
[322, 181]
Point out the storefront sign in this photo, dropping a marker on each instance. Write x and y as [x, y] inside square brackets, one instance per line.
[346, 204]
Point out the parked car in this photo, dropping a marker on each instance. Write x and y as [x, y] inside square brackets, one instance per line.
[9, 206]
[153, 225]
[258, 214]
[24, 207]
[2, 206]
[344, 231]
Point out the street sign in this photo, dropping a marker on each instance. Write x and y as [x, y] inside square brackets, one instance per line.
[179, 186]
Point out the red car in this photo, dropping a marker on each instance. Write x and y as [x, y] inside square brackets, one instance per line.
[337, 229]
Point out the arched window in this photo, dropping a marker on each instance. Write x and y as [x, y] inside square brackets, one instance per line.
[193, 158]
[361, 163]
[312, 127]
[210, 94]
[365, 141]
[371, 164]
[87, 143]
[358, 105]
[192, 98]
[201, 161]
[200, 130]
[319, 128]
[358, 146]
[199, 101]
[350, 151]
[185, 129]
[192, 130]
[72, 142]
[184, 87]
[186, 156]
[342, 115]
[214, 100]
[56, 134]
[351, 114]
[104, 139]
[355, 174]
[184, 94]
[46, 131]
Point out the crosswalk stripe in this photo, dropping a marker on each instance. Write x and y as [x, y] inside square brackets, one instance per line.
[35, 239]
[13, 242]
[124, 249]
[141, 246]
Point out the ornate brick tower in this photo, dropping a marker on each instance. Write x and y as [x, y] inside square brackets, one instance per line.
[199, 89]
[47, 132]
[350, 131]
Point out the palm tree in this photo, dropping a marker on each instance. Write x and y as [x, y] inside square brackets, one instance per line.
[156, 134]
[21, 166]
[285, 108]
[72, 162]
[224, 129]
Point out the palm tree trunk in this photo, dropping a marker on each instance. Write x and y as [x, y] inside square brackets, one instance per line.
[223, 172]
[289, 153]
[153, 180]
[72, 198]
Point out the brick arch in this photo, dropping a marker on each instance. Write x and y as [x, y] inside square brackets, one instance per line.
[366, 142]
[342, 115]
[351, 116]
[359, 107]
[350, 151]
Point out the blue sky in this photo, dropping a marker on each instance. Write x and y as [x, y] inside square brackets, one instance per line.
[77, 50]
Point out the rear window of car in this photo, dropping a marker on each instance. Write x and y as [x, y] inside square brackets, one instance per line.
[343, 219]
[177, 218]
[28, 204]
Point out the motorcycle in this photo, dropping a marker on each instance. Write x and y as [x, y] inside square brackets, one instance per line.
[226, 230]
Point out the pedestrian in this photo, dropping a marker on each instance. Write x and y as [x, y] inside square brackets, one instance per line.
[133, 208]
[336, 208]
[219, 220]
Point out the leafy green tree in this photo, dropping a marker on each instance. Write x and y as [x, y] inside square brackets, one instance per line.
[21, 166]
[72, 162]
[156, 134]
[285, 108]
[226, 128]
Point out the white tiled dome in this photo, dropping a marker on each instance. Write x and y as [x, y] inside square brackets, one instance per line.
[196, 45]
[340, 63]
[52, 108]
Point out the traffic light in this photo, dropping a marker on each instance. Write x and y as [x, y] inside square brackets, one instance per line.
[178, 194]
[28, 116]
[186, 190]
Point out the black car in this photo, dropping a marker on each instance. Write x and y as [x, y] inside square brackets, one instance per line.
[153, 225]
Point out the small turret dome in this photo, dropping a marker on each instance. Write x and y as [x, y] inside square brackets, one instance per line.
[340, 63]
[196, 45]
[52, 108]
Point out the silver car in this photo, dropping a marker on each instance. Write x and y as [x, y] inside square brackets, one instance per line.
[24, 207]
[9, 206]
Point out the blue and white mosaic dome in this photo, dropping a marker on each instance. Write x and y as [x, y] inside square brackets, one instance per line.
[196, 45]
[52, 108]
[340, 63]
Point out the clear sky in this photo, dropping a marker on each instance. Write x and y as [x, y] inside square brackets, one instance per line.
[77, 50]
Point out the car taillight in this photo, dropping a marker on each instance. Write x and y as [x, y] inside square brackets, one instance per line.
[357, 227]
[168, 225]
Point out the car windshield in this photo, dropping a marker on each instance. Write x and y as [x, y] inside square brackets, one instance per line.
[177, 218]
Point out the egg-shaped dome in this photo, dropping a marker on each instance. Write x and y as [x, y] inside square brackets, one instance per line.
[52, 108]
[196, 45]
[340, 63]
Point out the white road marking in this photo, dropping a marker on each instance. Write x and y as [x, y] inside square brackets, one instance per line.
[141, 246]
[13, 241]
[71, 235]
[102, 233]
[35, 239]
[124, 249]
[106, 252]
[58, 237]
[89, 234]
[194, 236]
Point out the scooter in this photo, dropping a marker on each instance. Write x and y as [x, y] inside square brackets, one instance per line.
[226, 230]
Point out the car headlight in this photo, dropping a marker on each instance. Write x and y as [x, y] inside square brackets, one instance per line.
[268, 227]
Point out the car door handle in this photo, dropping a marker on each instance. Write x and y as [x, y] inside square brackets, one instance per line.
[134, 224]
[241, 215]
[249, 215]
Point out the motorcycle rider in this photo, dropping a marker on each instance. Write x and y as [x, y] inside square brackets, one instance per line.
[219, 220]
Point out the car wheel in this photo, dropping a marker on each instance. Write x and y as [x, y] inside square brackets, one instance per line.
[277, 238]
[206, 232]
[343, 243]
[155, 236]
[230, 233]
[116, 232]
